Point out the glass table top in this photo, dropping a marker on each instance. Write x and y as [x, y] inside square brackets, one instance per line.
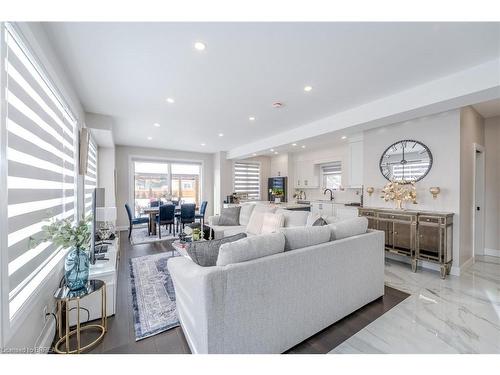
[91, 287]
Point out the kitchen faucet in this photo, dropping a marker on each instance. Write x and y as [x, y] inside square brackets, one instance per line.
[331, 193]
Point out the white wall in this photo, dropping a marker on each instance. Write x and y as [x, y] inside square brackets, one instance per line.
[223, 180]
[30, 328]
[123, 157]
[441, 133]
[471, 131]
[492, 199]
[106, 174]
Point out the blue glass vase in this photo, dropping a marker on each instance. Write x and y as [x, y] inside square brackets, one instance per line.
[76, 269]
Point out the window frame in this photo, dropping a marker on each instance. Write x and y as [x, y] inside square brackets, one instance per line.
[10, 325]
[322, 174]
[141, 158]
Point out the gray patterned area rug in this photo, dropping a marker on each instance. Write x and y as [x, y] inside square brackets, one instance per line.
[140, 235]
[153, 295]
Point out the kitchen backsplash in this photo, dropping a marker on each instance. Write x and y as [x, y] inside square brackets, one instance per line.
[340, 196]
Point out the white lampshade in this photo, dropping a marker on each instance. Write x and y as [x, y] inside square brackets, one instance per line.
[105, 214]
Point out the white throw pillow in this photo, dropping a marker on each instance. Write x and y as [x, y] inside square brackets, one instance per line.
[299, 237]
[311, 219]
[245, 212]
[254, 225]
[348, 228]
[272, 223]
[251, 248]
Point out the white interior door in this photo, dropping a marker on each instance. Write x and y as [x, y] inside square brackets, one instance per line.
[479, 191]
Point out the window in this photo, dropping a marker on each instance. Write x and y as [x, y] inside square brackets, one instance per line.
[157, 180]
[247, 179]
[332, 175]
[41, 168]
[90, 177]
[151, 180]
[186, 182]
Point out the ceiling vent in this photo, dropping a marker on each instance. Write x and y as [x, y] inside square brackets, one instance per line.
[277, 105]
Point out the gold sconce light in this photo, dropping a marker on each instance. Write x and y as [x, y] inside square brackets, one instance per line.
[370, 190]
[434, 191]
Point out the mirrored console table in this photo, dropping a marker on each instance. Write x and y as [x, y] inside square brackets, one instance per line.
[418, 235]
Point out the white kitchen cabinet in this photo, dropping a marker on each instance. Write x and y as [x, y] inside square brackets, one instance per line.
[306, 175]
[356, 162]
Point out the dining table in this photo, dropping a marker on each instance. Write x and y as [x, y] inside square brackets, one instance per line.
[153, 212]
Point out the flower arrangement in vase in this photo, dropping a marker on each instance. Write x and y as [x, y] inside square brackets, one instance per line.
[400, 192]
[66, 234]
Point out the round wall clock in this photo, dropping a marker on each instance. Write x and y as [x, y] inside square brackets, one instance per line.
[406, 161]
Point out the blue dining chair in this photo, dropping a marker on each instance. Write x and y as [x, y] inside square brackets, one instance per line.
[201, 214]
[154, 204]
[166, 215]
[187, 215]
[133, 220]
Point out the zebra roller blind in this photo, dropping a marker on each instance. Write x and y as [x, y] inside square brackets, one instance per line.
[247, 179]
[90, 177]
[41, 170]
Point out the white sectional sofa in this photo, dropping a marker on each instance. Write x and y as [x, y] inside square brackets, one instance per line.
[270, 304]
[292, 219]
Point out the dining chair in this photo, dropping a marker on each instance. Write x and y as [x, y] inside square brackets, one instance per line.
[201, 214]
[166, 216]
[154, 204]
[187, 215]
[133, 220]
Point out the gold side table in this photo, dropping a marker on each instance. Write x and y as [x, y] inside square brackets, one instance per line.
[65, 296]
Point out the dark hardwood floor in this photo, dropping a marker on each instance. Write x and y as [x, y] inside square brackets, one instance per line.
[120, 337]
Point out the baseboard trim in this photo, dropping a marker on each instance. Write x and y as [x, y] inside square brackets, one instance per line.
[455, 271]
[44, 341]
[492, 252]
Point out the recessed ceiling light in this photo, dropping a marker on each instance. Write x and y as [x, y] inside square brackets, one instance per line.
[254, 154]
[308, 88]
[170, 100]
[202, 144]
[275, 152]
[303, 146]
[294, 144]
[272, 150]
[150, 138]
[344, 137]
[221, 134]
[200, 46]
[251, 118]
[156, 125]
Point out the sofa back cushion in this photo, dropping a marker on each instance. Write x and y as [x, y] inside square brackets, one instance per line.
[299, 237]
[246, 212]
[230, 216]
[205, 253]
[251, 248]
[294, 218]
[256, 219]
[272, 223]
[349, 227]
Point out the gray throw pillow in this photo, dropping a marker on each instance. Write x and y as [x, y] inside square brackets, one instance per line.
[205, 253]
[319, 222]
[230, 216]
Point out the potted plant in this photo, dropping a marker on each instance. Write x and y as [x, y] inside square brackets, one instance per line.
[277, 193]
[77, 237]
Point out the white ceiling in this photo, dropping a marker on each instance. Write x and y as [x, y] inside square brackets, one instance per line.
[488, 109]
[127, 70]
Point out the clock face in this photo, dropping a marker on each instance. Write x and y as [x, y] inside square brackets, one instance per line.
[406, 161]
